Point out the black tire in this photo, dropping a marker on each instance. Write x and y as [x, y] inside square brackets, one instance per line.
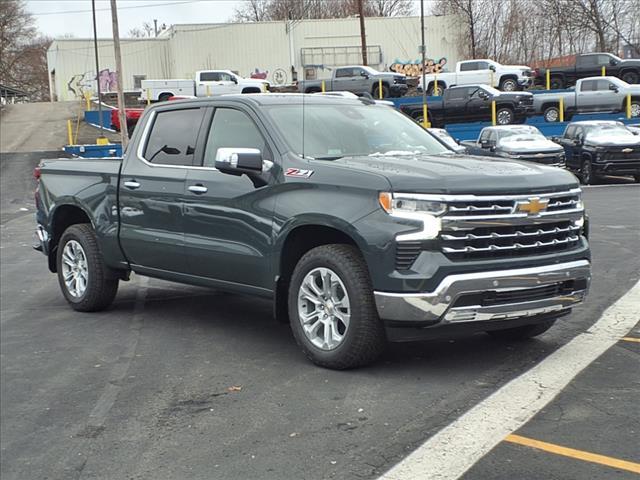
[522, 333]
[364, 339]
[586, 172]
[508, 85]
[376, 92]
[313, 90]
[557, 83]
[552, 114]
[631, 77]
[636, 178]
[164, 97]
[635, 107]
[101, 285]
[504, 116]
[432, 89]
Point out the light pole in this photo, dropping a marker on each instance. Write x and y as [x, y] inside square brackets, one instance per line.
[425, 120]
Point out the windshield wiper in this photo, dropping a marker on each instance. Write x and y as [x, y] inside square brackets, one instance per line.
[329, 157]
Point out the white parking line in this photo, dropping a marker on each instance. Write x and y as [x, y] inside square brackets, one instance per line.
[456, 448]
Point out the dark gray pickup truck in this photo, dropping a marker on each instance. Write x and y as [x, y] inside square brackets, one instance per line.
[358, 224]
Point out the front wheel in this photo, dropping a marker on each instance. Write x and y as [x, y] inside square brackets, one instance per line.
[83, 277]
[522, 333]
[586, 172]
[508, 85]
[504, 116]
[556, 83]
[332, 309]
[631, 77]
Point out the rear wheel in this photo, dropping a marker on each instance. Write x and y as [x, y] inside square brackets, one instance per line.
[522, 333]
[504, 116]
[508, 85]
[164, 97]
[333, 313]
[635, 107]
[85, 280]
[432, 89]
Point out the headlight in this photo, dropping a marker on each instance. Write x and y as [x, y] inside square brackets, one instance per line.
[411, 208]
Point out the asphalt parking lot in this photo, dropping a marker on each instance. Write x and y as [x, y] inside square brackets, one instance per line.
[180, 382]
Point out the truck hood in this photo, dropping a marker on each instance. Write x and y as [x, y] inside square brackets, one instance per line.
[462, 174]
[528, 146]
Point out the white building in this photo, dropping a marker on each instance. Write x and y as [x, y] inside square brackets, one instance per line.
[277, 51]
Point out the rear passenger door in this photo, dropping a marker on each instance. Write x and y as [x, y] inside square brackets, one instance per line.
[152, 187]
[344, 80]
[228, 218]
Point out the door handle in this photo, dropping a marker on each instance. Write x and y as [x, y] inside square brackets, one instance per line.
[131, 184]
[198, 189]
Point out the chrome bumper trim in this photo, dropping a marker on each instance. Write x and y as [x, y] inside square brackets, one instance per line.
[436, 307]
[40, 239]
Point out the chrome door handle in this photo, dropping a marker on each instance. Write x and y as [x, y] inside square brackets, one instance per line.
[131, 184]
[198, 189]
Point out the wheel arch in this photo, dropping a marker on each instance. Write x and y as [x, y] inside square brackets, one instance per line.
[298, 239]
[251, 90]
[61, 218]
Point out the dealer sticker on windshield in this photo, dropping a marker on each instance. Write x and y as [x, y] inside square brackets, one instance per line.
[298, 172]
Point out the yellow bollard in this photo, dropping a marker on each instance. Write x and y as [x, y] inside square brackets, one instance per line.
[561, 109]
[208, 90]
[148, 97]
[425, 118]
[548, 79]
[493, 112]
[87, 97]
[629, 105]
[604, 71]
[323, 89]
[380, 88]
[102, 141]
[69, 133]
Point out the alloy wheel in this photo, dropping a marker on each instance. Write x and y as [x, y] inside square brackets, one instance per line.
[324, 309]
[75, 270]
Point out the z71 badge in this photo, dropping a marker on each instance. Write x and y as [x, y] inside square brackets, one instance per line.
[297, 172]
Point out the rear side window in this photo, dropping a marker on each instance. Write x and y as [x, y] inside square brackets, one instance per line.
[172, 140]
[587, 60]
[232, 129]
[468, 66]
[209, 77]
[456, 93]
[344, 72]
[589, 85]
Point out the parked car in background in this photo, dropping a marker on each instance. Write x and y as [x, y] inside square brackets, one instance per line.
[593, 94]
[590, 65]
[471, 72]
[521, 142]
[206, 83]
[132, 115]
[443, 136]
[472, 103]
[598, 147]
[362, 229]
[359, 79]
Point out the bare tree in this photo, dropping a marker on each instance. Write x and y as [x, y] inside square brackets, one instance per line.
[146, 30]
[23, 53]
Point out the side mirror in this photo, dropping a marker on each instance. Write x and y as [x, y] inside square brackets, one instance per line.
[364, 74]
[237, 161]
[613, 87]
[234, 80]
[492, 68]
[612, 62]
[492, 148]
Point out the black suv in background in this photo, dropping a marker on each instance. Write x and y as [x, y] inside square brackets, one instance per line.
[599, 147]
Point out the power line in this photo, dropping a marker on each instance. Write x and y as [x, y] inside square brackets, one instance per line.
[119, 8]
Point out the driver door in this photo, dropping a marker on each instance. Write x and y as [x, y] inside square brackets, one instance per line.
[228, 218]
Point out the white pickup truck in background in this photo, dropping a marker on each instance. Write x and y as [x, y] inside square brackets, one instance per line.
[507, 78]
[206, 83]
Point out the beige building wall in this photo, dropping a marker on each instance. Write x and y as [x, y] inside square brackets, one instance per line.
[266, 49]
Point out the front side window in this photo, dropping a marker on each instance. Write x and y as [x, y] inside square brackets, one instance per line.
[172, 140]
[604, 85]
[570, 132]
[232, 129]
[483, 66]
[225, 77]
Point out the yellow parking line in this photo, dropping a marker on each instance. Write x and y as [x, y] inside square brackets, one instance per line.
[631, 339]
[578, 454]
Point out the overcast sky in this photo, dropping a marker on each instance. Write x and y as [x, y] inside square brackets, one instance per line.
[73, 17]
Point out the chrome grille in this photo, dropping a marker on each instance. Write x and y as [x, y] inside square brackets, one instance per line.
[477, 227]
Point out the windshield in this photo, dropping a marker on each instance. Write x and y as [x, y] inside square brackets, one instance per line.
[606, 131]
[523, 134]
[333, 131]
[491, 90]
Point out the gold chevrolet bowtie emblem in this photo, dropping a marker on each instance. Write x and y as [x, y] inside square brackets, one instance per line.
[627, 150]
[533, 206]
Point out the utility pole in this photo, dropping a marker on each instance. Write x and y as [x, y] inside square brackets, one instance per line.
[95, 47]
[424, 62]
[155, 26]
[363, 37]
[124, 131]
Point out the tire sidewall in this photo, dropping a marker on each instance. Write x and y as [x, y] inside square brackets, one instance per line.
[588, 168]
[549, 110]
[509, 81]
[511, 116]
[356, 307]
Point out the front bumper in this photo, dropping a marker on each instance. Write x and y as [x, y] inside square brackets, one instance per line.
[525, 81]
[617, 167]
[513, 294]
